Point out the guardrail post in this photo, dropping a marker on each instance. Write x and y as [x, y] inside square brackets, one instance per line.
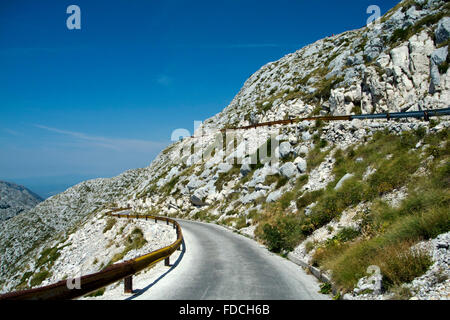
[128, 284]
[167, 221]
[167, 262]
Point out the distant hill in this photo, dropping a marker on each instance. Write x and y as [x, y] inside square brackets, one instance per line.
[15, 199]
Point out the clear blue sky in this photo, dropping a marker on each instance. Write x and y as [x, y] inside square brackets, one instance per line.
[76, 104]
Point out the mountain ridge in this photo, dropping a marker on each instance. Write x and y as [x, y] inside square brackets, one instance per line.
[15, 199]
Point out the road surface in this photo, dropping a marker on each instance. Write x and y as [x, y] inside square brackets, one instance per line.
[217, 264]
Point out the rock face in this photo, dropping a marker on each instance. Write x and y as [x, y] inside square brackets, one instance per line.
[371, 284]
[443, 30]
[15, 199]
[360, 71]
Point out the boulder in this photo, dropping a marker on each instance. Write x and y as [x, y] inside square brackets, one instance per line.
[245, 169]
[301, 164]
[372, 284]
[251, 197]
[400, 58]
[373, 48]
[435, 83]
[173, 172]
[306, 136]
[224, 167]
[198, 197]
[273, 196]
[285, 149]
[442, 32]
[302, 150]
[288, 170]
[439, 56]
[194, 183]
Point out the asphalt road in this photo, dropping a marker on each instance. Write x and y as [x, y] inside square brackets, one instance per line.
[218, 264]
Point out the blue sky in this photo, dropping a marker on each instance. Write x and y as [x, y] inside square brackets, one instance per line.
[79, 104]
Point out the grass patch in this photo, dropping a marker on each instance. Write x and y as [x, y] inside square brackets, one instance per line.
[134, 241]
[224, 178]
[389, 232]
[203, 215]
[315, 157]
[39, 277]
[386, 233]
[109, 224]
[401, 35]
[97, 293]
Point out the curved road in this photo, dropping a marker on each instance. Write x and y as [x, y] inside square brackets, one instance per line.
[218, 264]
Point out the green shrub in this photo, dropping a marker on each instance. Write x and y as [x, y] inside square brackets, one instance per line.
[272, 238]
[347, 234]
[308, 198]
[284, 234]
[325, 288]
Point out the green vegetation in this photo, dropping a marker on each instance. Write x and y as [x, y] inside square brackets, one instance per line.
[134, 241]
[39, 277]
[48, 256]
[109, 224]
[387, 233]
[282, 233]
[224, 178]
[401, 35]
[316, 156]
[97, 293]
[169, 186]
[324, 88]
[203, 215]
[325, 288]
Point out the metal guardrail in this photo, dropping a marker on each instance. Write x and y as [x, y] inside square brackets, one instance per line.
[111, 274]
[426, 114]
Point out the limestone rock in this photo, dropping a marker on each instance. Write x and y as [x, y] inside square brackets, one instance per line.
[288, 170]
[443, 30]
[285, 149]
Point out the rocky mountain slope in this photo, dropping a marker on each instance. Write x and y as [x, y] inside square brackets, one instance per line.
[15, 199]
[326, 192]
